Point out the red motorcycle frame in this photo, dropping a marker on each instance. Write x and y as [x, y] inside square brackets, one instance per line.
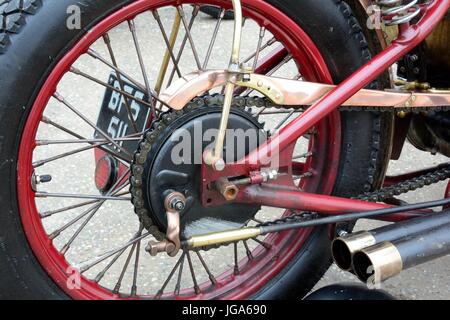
[283, 196]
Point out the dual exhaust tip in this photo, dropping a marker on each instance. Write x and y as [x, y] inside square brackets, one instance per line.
[376, 255]
[359, 253]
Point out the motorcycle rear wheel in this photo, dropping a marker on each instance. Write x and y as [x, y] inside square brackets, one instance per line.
[39, 41]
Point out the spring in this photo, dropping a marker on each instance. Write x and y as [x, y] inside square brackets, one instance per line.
[395, 12]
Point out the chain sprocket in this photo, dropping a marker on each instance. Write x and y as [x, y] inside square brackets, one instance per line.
[140, 157]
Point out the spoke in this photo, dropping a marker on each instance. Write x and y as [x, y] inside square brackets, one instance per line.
[124, 269]
[257, 220]
[189, 35]
[50, 213]
[97, 56]
[180, 274]
[107, 41]
[107, 255]
[141, 87]
[236, 265]
[195, 12]
[262, 32]
[278, 126]
[247, 251]
[107, 85]
[191, 268]
[265, 245]
[136, 268]
[214, 37]
[66, 247]
[132, 27]
[166, 40]
[57, 232]
[114, 191]
[100, 146]
[166, 282]
[102, 273]
[271, 72]
[210, 275]
[89, 122]
[260, 111]
[60, 127]
[66, 154]
[266, 45]
[90, 141]
[80, 196]
[281, 64]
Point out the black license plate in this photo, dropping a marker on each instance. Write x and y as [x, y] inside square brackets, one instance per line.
[113, 118]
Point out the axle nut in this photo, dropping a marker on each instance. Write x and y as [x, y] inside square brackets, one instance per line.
[175, 201]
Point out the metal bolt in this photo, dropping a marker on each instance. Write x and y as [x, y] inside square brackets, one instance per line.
[219, 165]
[175, 201]
[177, 204]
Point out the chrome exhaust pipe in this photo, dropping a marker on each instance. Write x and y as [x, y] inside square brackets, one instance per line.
[387, 259]
[343, 248]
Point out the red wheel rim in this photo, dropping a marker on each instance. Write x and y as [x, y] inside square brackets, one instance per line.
[258, 272]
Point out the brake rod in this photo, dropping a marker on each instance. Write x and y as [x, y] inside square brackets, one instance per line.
[234, 235]
[213, 157]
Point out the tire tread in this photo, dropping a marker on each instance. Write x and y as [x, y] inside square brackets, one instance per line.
[13, 16]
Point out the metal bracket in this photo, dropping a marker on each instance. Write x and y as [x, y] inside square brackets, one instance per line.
[263, 85]
[175, 203]
[297, 93]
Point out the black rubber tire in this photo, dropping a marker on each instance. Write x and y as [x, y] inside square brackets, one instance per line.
[215, 11]
[41, 39]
